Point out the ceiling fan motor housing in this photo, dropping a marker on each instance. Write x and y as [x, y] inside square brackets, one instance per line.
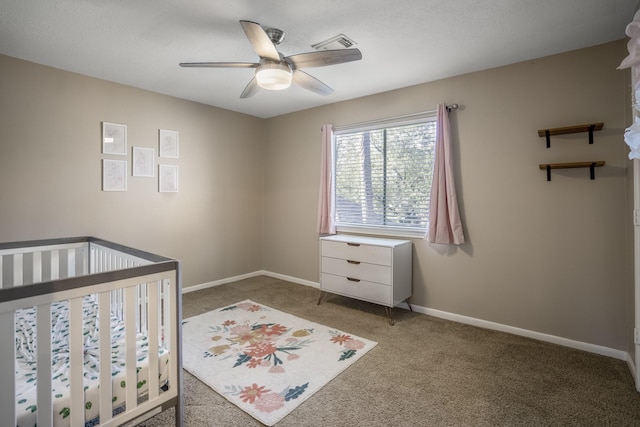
[276, 35]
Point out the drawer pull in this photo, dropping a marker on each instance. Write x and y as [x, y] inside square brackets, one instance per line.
[351, 279]
[350, 261]
[353, 244]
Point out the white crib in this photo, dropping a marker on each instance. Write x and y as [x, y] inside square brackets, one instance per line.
[63, 368]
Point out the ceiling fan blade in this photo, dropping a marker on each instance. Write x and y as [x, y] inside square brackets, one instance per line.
[324, 57]
[219, 64]
[309, 82]
[260, 41]
[251, 89]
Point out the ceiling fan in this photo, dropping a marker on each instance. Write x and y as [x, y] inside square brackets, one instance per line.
[275, 71]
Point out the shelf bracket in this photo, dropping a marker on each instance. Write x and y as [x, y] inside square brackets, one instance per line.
[548, 172]
[548, 135]
[591, 129]
[592, 171]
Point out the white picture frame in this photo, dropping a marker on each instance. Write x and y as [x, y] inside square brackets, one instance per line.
[143, 162]
[114, 138]
[168, 143]
[168, 178]
[114, 175]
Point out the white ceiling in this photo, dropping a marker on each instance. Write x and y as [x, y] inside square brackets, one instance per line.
[403, 43]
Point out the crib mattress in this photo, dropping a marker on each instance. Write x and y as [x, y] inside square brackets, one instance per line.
[26, 381]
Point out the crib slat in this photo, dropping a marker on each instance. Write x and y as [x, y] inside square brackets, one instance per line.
[37, 267]
[76, 361]
[130, 347]
[71, 262]
[171, 328]
[27, 268]
[91, 260]
[17, 270]
[166, 314]
[153, 338]
[8, 367]
[55, 264]
[82, 261]
[142, 307]
[104, 300]
[7, 271]
[43, 335]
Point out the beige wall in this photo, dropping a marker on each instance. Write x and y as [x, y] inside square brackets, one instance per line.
[50, 171]
[550, 257]
[543, 256]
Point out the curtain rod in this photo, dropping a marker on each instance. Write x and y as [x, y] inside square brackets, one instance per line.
[391, 119]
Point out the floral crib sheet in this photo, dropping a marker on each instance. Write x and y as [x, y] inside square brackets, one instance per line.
[26, 380]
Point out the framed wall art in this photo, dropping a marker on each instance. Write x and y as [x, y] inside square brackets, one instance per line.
[114, 138]
[114, 175]
[143, 162]
[168, 178]
[169, 143]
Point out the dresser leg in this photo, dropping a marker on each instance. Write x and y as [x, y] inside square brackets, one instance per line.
[409, 303]
[320, 297]
[389, 312]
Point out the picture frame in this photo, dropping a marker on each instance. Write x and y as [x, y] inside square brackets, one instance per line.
[114, 175]
[114, 138]
[143, 162]
[168, 178]
[169, 143]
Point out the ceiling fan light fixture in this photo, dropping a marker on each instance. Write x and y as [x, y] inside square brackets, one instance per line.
[274, 75]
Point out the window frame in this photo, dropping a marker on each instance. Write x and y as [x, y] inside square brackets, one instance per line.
[380, 230]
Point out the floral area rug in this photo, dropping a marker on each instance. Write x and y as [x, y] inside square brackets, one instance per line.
[263, 360]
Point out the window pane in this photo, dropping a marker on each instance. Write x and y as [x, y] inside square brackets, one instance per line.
[383, 176]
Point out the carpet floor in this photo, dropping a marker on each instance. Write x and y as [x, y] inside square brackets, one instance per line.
[424, 371]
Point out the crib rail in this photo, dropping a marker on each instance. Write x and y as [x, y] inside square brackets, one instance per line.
[43, 261]
[140, 288]
[25, 263]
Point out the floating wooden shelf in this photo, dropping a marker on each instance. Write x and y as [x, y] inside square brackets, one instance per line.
[571, 165]
[589, 127]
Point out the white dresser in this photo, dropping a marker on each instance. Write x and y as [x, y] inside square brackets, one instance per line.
[367, 268]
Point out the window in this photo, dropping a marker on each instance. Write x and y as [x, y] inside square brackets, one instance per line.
[382, 175]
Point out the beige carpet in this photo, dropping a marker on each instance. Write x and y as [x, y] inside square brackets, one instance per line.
[425, 372]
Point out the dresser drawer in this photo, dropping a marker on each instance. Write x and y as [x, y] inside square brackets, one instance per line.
[357, 252]
[357, 270]
[364, 290]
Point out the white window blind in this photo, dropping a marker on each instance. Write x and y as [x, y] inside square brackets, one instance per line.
[383, 173]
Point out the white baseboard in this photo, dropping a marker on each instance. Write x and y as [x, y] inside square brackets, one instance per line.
[220, 282]
[247, 276]
[579, 345]
[291, 279]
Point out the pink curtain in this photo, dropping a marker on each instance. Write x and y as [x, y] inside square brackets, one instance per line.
[444, 218]
[326, 221]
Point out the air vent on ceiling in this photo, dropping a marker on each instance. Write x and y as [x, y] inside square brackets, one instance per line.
[338, 42]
